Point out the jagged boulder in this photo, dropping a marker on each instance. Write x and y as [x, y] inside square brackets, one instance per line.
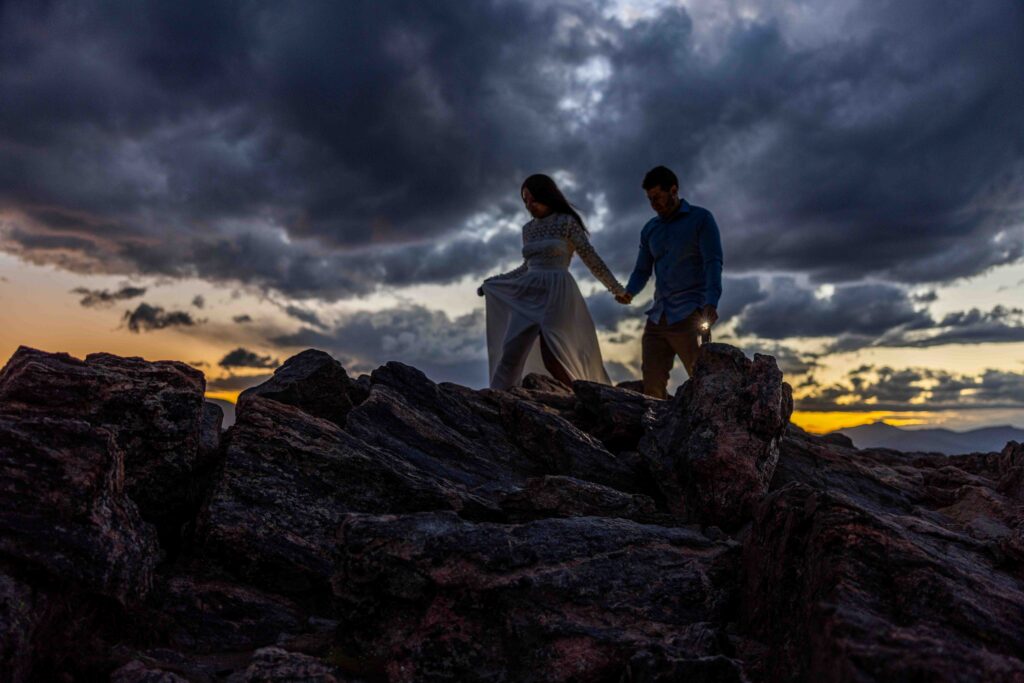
[64, 517]
[391, 528]
[440, 598]
[276, 665]
[286, 480]
[446, 431]
[846, 591]
[201, 614]
[614, 415]
[314, 382]
[490, 441]
[714, 451]
[558, 496]
[20, 616]
[136, 671]
[153, 410]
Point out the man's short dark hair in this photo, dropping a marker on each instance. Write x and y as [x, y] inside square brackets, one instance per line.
[660, 176]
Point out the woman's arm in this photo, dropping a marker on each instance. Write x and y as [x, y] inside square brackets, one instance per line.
[578, 237]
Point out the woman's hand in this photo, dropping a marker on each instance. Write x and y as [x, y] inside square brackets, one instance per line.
[624, 298]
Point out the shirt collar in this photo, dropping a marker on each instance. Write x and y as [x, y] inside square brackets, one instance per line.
[684, 208]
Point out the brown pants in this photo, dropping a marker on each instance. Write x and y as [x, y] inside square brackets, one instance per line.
[661, 344]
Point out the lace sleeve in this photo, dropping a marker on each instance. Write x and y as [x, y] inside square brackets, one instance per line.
[578, 237]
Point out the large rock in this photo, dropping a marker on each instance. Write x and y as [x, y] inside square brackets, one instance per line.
[440, 598]
[313, 381]
[844, 592]
[391, 528]
[714, 452]
[490, 441]
[613, 415]
[208, 615]
[286, 481]
[20, 615]
[276, 665]
[557, 496]
[64, 517]
[154, 411]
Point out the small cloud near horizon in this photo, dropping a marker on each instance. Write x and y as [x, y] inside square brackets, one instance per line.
[104, 298]
[244, 358]
[147, 318]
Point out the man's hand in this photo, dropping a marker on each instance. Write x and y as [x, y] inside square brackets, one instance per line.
[480, 290]
[710, 314]
[624, 298]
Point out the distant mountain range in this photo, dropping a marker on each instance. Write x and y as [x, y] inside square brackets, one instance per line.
[984, 440]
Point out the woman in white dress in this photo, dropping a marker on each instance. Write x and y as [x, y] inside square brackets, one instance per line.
[536, 316]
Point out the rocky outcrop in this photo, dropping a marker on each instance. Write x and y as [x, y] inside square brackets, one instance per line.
[287, 479]
[63, 513]
[714, 452]
[390, 528]
[154, 412]
[884, 565]
[552, 600]
[313, 382]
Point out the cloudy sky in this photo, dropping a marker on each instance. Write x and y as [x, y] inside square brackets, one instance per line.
[229, 183]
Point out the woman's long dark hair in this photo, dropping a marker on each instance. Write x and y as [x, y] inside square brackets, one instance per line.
[545, 190]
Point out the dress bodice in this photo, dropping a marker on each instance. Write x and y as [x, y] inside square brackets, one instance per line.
[549, 243]
[548, 254]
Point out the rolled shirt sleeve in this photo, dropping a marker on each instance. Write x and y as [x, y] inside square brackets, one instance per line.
[642, 269]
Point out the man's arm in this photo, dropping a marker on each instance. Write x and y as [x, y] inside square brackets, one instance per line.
[642, 269]
[710, 241]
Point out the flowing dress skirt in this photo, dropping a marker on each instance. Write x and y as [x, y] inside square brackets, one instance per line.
[541, 302]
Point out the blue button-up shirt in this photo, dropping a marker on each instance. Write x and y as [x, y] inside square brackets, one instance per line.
[685, 252]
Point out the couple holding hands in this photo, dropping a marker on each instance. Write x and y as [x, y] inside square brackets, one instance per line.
[538, 320]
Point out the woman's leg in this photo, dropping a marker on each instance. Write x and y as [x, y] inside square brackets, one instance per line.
[552, 365]
[509, 370]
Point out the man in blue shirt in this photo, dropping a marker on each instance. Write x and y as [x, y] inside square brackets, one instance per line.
[683, 247]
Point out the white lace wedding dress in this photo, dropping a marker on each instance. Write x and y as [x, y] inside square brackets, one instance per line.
[541, 298]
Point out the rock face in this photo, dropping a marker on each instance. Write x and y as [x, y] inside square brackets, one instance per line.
[715, 451]
[287, 480]
[153, 411]
[394, 529]
[63, 512]
[552, 600]
[313, 382]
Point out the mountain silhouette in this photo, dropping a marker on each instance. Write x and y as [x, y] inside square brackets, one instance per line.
[945, 441]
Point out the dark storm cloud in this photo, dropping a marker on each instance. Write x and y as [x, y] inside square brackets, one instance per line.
[244, 358]
[445, 348]
[242, 319]
[304, 315]
[146, 318]
[869, 310]
[195, 137]
[892, 389]
[1000, 325]
[103, 297]
[857, 316]
[790, 361]
[199, 301]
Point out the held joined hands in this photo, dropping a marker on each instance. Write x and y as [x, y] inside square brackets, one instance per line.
[710, 314]
[624, 298]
